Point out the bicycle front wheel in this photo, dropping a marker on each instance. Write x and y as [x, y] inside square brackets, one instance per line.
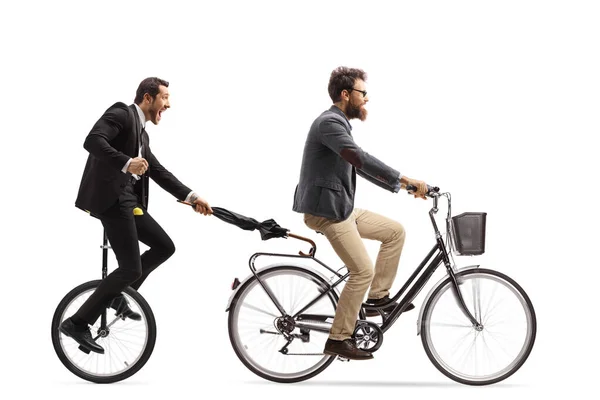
[127, 344]
[486, 354]
[259, 333]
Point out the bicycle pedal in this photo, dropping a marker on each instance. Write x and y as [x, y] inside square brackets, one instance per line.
[86, 351]
[343, 359]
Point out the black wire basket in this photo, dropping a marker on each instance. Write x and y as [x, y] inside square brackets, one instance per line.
[469, 233]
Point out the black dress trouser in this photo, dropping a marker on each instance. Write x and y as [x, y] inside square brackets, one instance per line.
[124, 230]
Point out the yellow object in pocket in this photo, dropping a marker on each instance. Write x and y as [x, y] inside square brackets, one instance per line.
[138, 211]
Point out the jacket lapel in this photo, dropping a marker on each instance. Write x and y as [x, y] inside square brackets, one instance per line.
[136, 129]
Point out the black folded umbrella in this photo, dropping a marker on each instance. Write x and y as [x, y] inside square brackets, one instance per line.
[268, 229]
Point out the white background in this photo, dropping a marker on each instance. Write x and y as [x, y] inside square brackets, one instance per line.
[496, 102]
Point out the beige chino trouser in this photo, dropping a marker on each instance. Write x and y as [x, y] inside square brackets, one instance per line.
[346, 239]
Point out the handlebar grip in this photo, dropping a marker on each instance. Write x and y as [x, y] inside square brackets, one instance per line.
[430, 189]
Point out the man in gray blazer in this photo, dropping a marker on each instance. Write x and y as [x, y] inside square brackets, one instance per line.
[325, 195]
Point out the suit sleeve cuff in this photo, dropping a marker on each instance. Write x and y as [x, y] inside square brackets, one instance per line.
[124, 169]
[191, 197]
[396, 186]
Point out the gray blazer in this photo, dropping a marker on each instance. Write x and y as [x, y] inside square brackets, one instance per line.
[330, 163]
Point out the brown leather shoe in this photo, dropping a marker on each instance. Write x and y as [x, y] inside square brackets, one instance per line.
[347, 349]
[387, 309]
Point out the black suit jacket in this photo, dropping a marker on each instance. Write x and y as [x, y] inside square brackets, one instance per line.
[113, 140]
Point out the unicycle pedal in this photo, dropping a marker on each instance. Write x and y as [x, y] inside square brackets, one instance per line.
[84, 349]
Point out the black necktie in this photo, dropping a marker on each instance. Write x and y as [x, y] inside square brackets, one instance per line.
[141, 140]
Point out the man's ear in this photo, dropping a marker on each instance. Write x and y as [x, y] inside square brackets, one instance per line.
[345, 95]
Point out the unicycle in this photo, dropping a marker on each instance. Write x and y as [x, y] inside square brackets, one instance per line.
[127, 344]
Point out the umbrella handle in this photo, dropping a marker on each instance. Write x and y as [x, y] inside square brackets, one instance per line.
[186, 203]
[313, 249]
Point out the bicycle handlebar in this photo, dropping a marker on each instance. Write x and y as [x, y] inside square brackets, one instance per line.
[431, 190]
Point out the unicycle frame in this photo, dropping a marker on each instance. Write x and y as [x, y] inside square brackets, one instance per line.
[105, 247]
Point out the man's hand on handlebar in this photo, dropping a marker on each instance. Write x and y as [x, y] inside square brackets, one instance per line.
[410, 185]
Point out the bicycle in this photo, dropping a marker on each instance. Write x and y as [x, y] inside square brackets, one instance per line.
[280, 316]
[127, 344]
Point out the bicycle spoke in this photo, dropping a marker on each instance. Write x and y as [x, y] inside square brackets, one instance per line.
[490, 301]
[493, 310]
[501, 345]
[460, 341]
[467, 353]
[449, 325]
[259, 310]
[294, 296]
[300, 299]
[486, 346]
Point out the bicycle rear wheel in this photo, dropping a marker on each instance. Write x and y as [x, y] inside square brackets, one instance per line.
[256, 326]
[127, 344]
[486, 355]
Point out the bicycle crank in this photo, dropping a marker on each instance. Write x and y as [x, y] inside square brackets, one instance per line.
[368, 336]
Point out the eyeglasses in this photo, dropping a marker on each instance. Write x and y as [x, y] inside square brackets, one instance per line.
[364, 92]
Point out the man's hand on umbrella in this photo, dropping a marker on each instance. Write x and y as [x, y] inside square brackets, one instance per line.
[202, 206]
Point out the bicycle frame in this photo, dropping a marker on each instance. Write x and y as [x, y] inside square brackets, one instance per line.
[437, 255]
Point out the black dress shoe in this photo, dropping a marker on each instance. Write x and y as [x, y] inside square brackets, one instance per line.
[386, 309]
[347, 349]
[80, 334]
[121, 306]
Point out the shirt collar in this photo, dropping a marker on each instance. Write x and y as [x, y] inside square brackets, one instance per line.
[141, 115]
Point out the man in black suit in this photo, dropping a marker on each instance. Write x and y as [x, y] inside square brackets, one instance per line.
[115, 182]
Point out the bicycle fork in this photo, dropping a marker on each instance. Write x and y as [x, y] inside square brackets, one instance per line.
[463, 306]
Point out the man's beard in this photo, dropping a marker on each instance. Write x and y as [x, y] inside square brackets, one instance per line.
[353, 111]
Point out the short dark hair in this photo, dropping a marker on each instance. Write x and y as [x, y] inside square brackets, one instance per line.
[150, 86]
[343, 78]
